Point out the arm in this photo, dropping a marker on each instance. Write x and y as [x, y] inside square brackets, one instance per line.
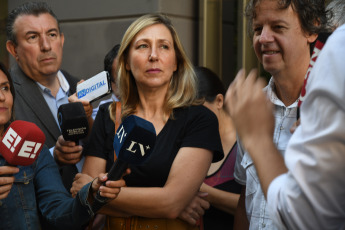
[94, 166]
[241, 220]
[91, 168]
[225, 201]
[56, 204]
[186, 175]
[6, 180]
[222, 200]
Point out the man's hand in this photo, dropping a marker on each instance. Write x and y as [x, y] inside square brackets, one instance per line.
[6, 181]
[195, 209]
[250, 108]
[87, 105]
[67, 152]
[80, 180]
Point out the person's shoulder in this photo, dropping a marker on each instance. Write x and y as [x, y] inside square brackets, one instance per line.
[201, 111]
[193, 109]
[195, 112]
[17, 74]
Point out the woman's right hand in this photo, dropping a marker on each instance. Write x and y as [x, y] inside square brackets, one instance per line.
[6, 180]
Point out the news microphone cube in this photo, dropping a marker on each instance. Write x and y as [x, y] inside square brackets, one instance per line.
[22, 142]
[95, 87]
[73, 121]
[133, 144]
[134, 140]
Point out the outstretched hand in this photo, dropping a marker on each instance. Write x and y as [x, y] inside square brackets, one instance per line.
[250, 108]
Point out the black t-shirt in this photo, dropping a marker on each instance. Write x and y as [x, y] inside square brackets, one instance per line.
[194, 126]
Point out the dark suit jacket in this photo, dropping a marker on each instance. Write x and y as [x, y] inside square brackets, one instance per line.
[29, 104]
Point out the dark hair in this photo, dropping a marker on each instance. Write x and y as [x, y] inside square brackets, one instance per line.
[9, 78]
[28, 8]
[109, 59]
[312, 14]
[209, 84]
[337, 9]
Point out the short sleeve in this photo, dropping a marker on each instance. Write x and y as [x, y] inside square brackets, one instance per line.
[202, 131]
[97, 144]
[240, 172]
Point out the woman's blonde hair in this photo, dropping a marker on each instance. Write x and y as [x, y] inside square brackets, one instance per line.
[182, 89]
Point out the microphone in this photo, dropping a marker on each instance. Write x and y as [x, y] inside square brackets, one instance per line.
[95, 87]
[133, 143]
[22, 143]
[73, 121]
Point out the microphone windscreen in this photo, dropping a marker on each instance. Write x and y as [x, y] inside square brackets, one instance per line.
[22, 142]
[73, 121]
[134, 140]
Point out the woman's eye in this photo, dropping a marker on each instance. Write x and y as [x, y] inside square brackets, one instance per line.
[142, 46]
[165, 46]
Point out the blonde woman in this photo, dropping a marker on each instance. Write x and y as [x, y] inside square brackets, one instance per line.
[156, 82]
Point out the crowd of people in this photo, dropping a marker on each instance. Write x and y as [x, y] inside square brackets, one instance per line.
[251, 157]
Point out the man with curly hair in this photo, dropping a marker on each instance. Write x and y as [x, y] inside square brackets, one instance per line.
[282, 32]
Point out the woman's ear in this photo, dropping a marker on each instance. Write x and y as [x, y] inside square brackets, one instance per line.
[128, 68]
[219, 101]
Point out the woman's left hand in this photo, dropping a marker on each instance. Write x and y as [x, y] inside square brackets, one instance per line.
[195, 209]
[79, 181]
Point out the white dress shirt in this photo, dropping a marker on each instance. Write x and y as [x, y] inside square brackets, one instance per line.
[312, 194]
[245, 172]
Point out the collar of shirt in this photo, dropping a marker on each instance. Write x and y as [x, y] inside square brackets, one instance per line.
[61, 97]
[270, 90]
[63, 84]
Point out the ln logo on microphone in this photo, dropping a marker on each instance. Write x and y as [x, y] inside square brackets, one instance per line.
[142, 150]
[28, 149]
[121, 133]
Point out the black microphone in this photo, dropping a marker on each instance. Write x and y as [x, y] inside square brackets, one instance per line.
[133, 144]
[73, 121]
